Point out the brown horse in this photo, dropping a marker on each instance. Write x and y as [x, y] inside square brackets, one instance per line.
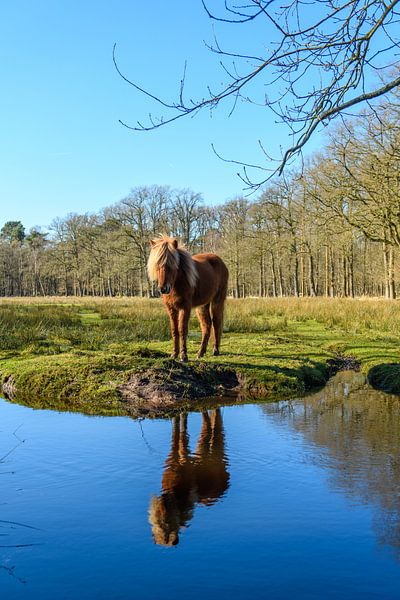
[200, 478]
[187, 281]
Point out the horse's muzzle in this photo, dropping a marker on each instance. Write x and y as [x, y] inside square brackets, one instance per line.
[165, 289]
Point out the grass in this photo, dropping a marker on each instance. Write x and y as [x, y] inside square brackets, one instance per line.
[74, 353]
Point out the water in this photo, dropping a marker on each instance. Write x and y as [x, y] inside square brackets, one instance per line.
[295, 499]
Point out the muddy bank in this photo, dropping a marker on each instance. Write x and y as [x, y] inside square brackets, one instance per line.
[157, 386]
[342, 363]
[8, 387]
[175, 386]
[161, 390]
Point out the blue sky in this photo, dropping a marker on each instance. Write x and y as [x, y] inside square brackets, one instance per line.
[62, 149]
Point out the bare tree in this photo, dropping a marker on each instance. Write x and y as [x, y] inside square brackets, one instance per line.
[185, 211]
[319, 59]
[234, 216]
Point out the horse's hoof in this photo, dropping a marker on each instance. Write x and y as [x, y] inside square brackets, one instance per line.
[215, 352]
[173, 356]
[200, 355]
[184, 358]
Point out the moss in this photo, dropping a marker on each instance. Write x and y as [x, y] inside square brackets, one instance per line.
[86, 382]
[385, 377]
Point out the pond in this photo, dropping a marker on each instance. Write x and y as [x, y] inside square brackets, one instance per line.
[294, 499]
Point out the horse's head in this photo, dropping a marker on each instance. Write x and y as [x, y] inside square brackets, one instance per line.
[164, 518]
[163, 263]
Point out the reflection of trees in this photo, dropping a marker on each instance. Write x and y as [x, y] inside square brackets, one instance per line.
[360, 429]
[189, 479]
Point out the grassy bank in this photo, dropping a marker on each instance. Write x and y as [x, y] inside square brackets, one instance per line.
[75, 353]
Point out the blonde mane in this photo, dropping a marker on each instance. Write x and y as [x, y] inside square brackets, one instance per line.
[164, 254]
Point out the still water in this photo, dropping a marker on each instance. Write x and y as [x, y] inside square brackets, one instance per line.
[296, 499]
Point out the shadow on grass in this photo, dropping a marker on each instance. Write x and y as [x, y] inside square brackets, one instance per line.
[385, 377]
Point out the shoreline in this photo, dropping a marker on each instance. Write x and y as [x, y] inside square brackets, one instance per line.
[169, 387]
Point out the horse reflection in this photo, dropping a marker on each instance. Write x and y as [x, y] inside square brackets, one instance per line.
[200, 478]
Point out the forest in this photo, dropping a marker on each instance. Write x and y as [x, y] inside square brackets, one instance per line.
[330, 228]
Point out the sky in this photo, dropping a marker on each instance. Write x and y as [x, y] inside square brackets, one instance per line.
[62, 148]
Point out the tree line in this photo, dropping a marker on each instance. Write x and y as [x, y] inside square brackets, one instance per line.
[331, 229]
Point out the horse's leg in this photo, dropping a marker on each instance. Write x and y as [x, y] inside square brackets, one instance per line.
[205, 435]
[184, 316]
[217, 427]
[217, 311]
[184, 440]
[203, 314]
[173, 457]
[173, 318]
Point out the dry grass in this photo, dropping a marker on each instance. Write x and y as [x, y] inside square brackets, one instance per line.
[352, 315]
[54, 324]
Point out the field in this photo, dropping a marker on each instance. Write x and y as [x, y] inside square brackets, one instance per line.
[73, 353]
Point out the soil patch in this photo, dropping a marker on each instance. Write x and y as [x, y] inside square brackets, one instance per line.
[160, 390]
[342, 363]
[8, 387]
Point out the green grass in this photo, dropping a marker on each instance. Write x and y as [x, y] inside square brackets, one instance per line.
[74, 353]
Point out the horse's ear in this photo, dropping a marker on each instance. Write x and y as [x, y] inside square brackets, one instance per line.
[175, 243]
[152, 243]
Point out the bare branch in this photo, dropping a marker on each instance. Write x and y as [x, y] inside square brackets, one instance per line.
[324, 53]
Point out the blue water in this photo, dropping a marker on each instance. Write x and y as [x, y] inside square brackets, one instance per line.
[295, 499]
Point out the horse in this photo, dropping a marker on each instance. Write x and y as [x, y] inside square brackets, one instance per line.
[189, 479]
[187, 281]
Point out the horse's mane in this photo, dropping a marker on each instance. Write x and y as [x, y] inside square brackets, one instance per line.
[164, 521]
[164, 253]
[188, 266]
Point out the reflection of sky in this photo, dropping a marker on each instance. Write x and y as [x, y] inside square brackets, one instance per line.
[281, 531]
